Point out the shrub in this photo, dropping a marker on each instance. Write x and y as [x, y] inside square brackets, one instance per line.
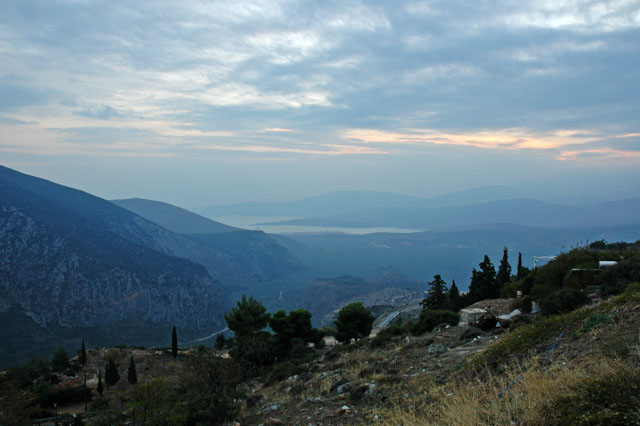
[523, 305]
[616, 278]
[385, 335]
[429, 319]
[593, 322]
[564, 300]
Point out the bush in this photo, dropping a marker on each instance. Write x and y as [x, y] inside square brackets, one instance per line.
[385, 335]
[429, 319]
[593, 322]
[523, 305]
[564, 300]
[616, 278]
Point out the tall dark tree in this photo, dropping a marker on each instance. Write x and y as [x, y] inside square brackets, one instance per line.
[132, 375]
[437, 296]
[483, 282]
[174, 342]
[519, 271]
[454, 297]
[504, 270]
[83, 355]
[111, 373]
[100, 388]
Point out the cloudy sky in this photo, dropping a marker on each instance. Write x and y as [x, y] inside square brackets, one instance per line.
[205, 102]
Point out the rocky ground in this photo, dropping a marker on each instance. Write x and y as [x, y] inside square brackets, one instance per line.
[341, 388]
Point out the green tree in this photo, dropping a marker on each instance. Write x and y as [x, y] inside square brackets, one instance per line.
[483, 282]
[354, 322]
[111, 373]
[83, 355]
[100, 388]
[454, 297]
[291, 329]
[246, 319]
[60, 361]
[437, 296]
[132, 375]
[504, 270]
[174, 342]
[519, 271]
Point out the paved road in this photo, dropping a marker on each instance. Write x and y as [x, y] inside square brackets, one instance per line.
[393, 315]
[209, 336]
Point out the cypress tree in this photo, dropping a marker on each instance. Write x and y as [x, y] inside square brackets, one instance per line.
[174, 342]
[519, 271]
[504, 270]
[132, 376]
[454, 297]
[83, 355]
[100, 389]
[111, 374]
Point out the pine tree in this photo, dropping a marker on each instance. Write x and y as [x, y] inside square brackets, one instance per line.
[454, 297]
[437, 298]
[100, 389]
[111, 374]
[483, 282]
[247, 318]
[174, 342]
[519, 271]
[504, 270]
[354, 322]
[132, 376]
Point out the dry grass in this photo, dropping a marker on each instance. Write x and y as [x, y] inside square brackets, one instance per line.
[538, 395]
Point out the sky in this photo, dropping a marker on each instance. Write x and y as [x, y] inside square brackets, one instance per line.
[209, 102]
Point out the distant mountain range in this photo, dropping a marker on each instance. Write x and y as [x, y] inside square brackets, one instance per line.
[340, 202]
[75, 266]
[517, 211]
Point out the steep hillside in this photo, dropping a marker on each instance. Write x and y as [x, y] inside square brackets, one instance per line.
[69, 260]
[232, 255]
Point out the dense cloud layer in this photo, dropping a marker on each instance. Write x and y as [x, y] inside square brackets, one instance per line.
[340, 86]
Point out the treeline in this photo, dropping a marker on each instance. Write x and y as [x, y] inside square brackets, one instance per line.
[559, 286]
